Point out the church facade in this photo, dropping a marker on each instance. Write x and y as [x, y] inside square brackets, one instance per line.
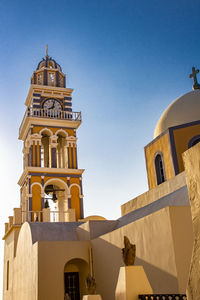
[49, 252]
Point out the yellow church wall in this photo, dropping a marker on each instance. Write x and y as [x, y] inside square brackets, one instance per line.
[74, 180]
[36, 198]
[182, 136]
[75, 201]
[46, 178]
[35, 179]
[161, 144]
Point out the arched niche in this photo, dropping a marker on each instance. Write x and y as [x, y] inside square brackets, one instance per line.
[75, 273]
[159, 168]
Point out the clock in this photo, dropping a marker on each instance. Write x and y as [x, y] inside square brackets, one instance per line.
[52, 105]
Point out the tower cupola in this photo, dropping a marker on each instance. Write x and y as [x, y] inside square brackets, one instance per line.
[49, 73]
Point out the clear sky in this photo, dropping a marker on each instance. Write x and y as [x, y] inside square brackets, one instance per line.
[126, 60]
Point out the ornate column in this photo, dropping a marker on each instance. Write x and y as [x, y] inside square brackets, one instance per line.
[53, 145]
[71, 142]
[34, 140]
[66, 154]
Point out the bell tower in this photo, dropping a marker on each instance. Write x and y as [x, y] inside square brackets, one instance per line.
[48, 131]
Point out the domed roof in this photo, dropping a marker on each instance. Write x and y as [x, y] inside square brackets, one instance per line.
[184, 109]
[48, 62]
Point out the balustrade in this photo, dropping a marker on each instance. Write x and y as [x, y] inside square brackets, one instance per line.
[163, 297]
[38, 216]
[52, 114]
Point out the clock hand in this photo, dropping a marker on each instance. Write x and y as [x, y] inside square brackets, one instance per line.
[52, 106]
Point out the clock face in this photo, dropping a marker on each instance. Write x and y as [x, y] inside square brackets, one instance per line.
[52, 104]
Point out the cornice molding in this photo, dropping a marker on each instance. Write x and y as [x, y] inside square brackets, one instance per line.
[49, 171]
[45, 122]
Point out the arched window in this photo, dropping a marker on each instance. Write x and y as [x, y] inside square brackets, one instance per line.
[195, 140]
[159, 167]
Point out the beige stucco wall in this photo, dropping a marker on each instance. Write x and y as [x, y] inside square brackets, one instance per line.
[25, 267]
[163, 241]
[182, 235]
[37, 271]
[52, 258]
[162, 258]
[9, 254]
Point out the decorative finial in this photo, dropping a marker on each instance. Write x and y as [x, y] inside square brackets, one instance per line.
[46, 50]
[196, 85]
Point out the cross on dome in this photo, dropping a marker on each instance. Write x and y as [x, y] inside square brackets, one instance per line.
[193, 75]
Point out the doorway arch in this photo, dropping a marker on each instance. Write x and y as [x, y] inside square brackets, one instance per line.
[75, 273]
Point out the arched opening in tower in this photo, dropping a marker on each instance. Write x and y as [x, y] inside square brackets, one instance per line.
[45, 150]
[56, 200]
[62, 159]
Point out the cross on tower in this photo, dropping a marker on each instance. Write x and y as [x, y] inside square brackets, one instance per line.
[196, 85]
[46, 50]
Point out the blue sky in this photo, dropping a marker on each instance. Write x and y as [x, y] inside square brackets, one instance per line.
[126, 60]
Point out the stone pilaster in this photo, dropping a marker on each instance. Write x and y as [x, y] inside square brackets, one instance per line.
[191, 160]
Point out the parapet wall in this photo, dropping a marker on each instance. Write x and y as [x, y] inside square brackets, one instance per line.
[154, 194]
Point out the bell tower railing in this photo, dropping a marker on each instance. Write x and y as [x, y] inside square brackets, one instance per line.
[50, 114]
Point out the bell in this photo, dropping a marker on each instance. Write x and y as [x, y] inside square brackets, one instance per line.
[46, 204]
[54, 198]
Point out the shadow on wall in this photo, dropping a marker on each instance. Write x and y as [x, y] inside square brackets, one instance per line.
[107, 262]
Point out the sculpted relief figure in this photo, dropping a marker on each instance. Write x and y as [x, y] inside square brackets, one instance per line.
[128, 252]
[90, 285]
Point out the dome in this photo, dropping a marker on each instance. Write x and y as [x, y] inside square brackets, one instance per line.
[184, 109]
[48, 62]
